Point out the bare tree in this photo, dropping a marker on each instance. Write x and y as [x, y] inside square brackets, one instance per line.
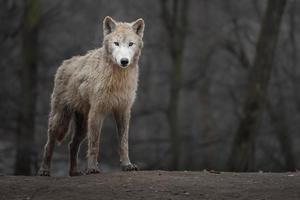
[28, 81]
[279, 122]
[174, 15]
[243, 147]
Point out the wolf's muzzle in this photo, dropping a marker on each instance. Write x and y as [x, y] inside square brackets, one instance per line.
[124, 62]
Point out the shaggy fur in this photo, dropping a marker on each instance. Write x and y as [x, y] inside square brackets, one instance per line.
[89, 87]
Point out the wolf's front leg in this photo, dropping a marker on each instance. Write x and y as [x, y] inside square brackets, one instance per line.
[95, 121]
[122, 119]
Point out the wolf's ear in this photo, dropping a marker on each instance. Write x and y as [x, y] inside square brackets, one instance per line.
[138, 27]
[109, 25]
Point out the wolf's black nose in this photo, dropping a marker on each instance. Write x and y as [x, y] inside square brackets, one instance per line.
[124, 62]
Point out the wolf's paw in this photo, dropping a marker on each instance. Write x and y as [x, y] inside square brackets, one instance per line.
[130, 167]
[76, 173]
[92, 171]
[43, 172]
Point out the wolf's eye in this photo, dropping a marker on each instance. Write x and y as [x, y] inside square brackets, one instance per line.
[116, 43]
[130, 44]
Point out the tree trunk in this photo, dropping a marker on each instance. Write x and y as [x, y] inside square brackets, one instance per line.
[243, 150]
[173, 111]
[176, 23]
[278, 119]
[28, 80]
[206, 120]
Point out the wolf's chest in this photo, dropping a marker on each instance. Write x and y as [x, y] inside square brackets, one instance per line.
[121, 89]
[115, 92]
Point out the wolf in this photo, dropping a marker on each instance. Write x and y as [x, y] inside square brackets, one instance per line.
[88, 87]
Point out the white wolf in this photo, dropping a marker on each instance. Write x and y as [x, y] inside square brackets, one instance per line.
[89, 87]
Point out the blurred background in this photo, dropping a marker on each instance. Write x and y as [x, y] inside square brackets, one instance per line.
[219, 82]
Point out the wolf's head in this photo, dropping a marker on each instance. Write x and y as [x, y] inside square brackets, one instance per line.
[123, 41]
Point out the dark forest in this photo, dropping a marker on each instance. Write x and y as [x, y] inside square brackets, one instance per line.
[218, 85]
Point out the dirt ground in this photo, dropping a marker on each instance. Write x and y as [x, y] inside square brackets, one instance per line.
[154, 185]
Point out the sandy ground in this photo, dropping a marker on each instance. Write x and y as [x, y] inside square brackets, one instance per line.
[154, 185]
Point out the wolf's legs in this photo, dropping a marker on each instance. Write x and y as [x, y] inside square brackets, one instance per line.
[122, 119]
[57, 128]
[48, 151]
[78, 136]
[95, 121]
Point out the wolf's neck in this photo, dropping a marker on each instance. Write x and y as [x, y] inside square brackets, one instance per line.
[118, 79]
[118, 73]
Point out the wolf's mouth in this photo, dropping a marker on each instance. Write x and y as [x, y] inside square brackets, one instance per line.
[124, 66]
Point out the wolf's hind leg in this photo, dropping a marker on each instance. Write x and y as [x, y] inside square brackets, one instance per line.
[48, 151]
[78, 136]
[57, 129]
